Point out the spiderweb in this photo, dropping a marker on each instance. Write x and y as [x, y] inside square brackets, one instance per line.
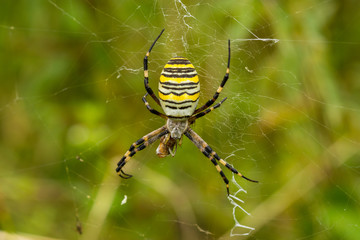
[71, 106]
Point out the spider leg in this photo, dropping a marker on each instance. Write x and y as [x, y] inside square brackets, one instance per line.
[138, 146]
[212, 155]
[208, 110]
[151, 109]
[146, 72]
[218, 91]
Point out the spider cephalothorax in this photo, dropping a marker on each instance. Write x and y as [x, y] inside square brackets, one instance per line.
[170, 141]
[179, 91]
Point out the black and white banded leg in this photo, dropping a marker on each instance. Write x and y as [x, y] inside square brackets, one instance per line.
[212, 155]
[151, 109]
[220, 88]
[146, 72]
[208, 110]
[138, 146]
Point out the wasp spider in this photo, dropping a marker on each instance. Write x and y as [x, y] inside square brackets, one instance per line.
[179, 90]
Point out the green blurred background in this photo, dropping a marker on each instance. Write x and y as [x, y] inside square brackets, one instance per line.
[70, 106]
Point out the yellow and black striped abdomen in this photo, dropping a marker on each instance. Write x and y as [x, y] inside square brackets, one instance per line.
[179, 88]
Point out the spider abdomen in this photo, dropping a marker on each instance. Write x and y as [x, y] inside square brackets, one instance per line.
[179, 88]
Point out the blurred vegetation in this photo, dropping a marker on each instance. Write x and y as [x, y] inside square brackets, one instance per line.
[70, 106]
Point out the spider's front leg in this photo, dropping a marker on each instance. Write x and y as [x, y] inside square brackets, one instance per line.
[212, 155]
[138, 146]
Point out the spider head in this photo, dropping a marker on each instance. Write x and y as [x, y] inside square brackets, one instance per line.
[177, 127]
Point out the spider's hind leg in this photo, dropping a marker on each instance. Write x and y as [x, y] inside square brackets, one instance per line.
[220, 88]
[153, 111]
[146, 72]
